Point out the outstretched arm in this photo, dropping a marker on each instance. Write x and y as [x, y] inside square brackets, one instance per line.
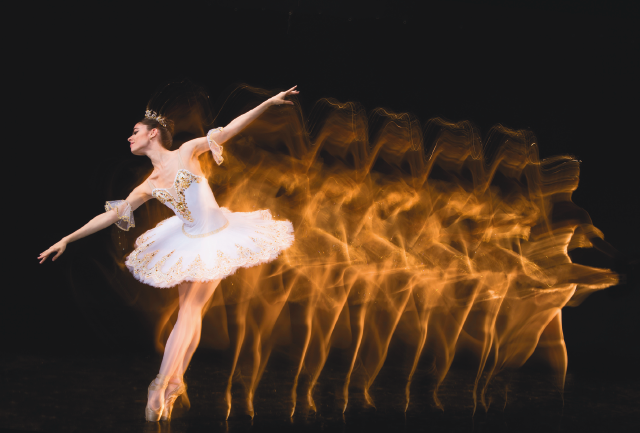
[113, 215]
[596, 237]
[200, 145]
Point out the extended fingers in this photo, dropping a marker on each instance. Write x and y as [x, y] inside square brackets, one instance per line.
[280, 98]
[43, 257]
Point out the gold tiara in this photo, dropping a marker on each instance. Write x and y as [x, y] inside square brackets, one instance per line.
[154, 116]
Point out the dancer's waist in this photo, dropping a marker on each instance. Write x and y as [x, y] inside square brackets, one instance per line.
[213, 222]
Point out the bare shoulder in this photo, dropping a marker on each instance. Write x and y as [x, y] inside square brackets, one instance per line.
[145, 187]
[188, 148]
[140, 194]
[143, 191]
[193, 148]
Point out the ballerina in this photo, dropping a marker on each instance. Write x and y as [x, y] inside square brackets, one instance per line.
[194, 249]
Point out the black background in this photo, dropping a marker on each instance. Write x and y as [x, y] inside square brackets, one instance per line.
[80, 77]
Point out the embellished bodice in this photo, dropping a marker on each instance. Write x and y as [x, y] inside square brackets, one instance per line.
[193, 203]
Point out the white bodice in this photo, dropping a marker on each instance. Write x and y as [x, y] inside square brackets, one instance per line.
[193, 203]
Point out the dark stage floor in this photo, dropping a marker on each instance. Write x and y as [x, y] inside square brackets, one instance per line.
[90, 394]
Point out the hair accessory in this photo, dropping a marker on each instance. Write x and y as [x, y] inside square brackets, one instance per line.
[153, 115]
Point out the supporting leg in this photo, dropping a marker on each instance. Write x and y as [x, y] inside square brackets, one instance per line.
[185, 336]
[553, 349]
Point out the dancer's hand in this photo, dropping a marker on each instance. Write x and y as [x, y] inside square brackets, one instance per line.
[279, 98]
[57, 248]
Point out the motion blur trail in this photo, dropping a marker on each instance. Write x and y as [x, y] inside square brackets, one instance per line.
[422, 233]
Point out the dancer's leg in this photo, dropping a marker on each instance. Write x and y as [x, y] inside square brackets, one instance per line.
[552, 348]
[203, 298]
[181, 368]
[185, 335]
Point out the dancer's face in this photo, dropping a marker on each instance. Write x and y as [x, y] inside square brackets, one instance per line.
[140, 138]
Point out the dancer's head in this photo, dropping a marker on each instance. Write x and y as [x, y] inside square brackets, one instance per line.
[177, 102]
[148, 130]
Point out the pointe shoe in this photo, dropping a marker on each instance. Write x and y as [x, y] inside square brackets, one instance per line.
[157, 384]
[170, 399]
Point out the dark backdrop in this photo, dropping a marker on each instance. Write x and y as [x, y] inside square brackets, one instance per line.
[84, 73]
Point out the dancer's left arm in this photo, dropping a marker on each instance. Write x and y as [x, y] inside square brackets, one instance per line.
[200, 145]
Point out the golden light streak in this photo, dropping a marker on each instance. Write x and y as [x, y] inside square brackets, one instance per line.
[423, 234]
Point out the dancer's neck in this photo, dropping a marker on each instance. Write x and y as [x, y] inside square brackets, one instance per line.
[159, 157]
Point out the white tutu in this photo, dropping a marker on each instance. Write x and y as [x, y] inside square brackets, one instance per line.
[167, 255]
[202, 242]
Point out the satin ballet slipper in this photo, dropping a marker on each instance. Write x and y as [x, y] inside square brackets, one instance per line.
[170, 399]
[157, 384]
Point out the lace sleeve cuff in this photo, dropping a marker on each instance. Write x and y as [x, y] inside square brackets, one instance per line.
[216, 149]
[123, 210]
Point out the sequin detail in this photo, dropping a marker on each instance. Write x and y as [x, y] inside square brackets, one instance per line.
[184, 179]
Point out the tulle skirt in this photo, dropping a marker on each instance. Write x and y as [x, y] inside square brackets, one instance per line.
[166, 256]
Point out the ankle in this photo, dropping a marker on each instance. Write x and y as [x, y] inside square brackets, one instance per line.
[176, 380]
[159, 383]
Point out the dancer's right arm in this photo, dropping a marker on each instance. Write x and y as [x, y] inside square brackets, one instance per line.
[137, 197]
